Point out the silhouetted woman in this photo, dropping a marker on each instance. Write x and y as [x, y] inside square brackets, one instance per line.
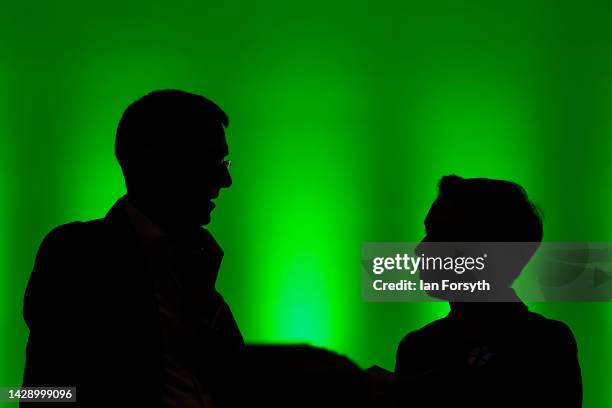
[490, 350]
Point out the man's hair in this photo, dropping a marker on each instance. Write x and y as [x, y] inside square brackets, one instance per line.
[164, 120]
[492, 210]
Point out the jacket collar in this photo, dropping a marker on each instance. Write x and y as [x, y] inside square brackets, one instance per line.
[136, 234]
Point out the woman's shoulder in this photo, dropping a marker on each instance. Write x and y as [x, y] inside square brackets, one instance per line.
[549, 329]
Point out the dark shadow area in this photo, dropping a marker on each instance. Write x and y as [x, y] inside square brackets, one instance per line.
[300, 376]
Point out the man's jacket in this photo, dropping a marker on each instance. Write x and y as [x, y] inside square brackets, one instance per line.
[94, 320]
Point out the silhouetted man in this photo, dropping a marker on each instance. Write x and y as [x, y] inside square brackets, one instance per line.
[490, 350]
[125, 307]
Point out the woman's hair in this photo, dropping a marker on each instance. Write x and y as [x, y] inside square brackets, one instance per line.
[490, 210]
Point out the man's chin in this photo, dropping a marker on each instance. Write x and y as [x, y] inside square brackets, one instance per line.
[191, 218]
[204, 219]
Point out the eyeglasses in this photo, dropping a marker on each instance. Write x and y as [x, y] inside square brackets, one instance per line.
[207, 165]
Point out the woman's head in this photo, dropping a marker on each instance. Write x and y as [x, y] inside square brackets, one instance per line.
[482, 217]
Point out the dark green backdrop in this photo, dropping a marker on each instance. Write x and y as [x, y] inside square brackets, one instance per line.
[343, 117]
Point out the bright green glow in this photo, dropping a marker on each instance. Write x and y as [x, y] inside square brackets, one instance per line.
[301, 201]
[343, 118]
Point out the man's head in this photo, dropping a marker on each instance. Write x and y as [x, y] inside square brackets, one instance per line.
[171, 147]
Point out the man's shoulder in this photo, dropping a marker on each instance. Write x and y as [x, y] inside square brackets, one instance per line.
[73, 233]
[80, 233]
[71, 244]
[74, 228]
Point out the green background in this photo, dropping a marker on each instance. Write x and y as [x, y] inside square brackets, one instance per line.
[343, 117]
